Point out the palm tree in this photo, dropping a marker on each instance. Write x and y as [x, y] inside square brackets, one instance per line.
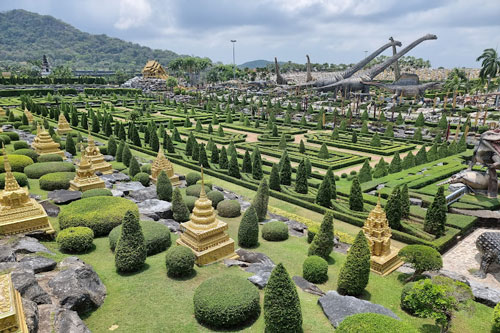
[490, 65]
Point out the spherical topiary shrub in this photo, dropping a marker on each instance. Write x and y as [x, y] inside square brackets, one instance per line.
[207, 183]
[180, 261]
[50, 158]
[75, 239]
[37, 170]
[56, 181]
[20, 145]
[17, 162]
[275, 231]
[407, 288]
[189, 200]
[226, 302]
[192, 178]
[156, 235]
[373, 323]
[101, 214]
[21, 179]
[229, 208]
[27, 152]
[5, 139]
[146, 168]
[97, 192]
[143, 178]
[315, 269]
[496, 319]
[215, 197]
[12, 135]
[194, 190]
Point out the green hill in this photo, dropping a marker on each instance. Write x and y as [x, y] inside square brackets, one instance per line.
[255, 64]
[26, 36]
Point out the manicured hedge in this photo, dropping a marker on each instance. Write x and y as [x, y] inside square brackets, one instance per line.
[179, 261]
[75, 239]
[373, 323]
[101, 214]
[27, 152]
[315, 269]
[156, 235]
[229, 208]
[275, 231]
[21, 178]
[12, 135]
[50, 158]
[143, 178]
[192, 178]
[226, 302]
[97, 192]
[17, 162]
[56, 181]
[194, 190]
[20, 145]
[215, 197]
[37, 170]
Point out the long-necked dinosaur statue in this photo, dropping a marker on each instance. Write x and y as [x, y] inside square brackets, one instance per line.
[337, 76]
[308, 67]
[279, 79]
[358, 82]
[399, 89]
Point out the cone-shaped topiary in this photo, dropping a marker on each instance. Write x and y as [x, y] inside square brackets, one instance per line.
[246, 166]
[130, 252]
[282, 312]
[420, 120]
[223, 162]
[234, 169]
[256, 164]
[365, 174]
[395, 165]
[274, 179]
[380, 169]
[356, 196]
[421, 156]
[164, 187]
[282, 144]
[322, 244]
[324, 197]
[301, 178]
[323, 152]
[134, 168]
[70, 145]
[126, 155]
[393, 209]
[333, 186]
[354, 275]
[404, 199]
[248, 231]
[179, 208]
[196, 151]
[119, 151]
[375, 141]
[203, 159]
[285, 169]
[302, 147]
[435, 218]
[111, 146]
[261, 200]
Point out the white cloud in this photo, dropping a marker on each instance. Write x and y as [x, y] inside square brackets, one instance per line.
[133, 13]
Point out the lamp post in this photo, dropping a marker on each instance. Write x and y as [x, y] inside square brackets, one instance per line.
[234, 63]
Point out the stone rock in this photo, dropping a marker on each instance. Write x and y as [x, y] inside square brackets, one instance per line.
[380, 186]
[77, 287]
[25, 282]
[115, 177]
[173, 225]
[155, 209]
[117, 193]
[29, 245]
[51, 209]
[337, 307]
[7, 254]
[416, 202]
[143, 194]
[38, 264]
[307, 286]
[126, 188]
[251, 257]
[62, 197]
[456, 187]
[60, 320]
[31, 315]
[484, 294]
[261, 279]
[234, 262]
[296, 229]
[108, 158]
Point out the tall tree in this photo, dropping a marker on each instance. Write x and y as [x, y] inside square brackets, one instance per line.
[274, 178]
[356, 196]
[301, 185]
[435, 218]
[322, 244]
[393, 209]
[354, 275]
[261, 200]
[130, 251]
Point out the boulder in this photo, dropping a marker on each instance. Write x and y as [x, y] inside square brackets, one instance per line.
[109, 158]
[25, 282]
[115, 177]
[62, 197]
[172, 225]
[416, 202]
[155, 209]
[60, 320]
[307, 286]
[234, 262]
[29, 245]
[126, 188]
[51, 209]
[251, 257]
[77, 286]
[31, 315]
[7, 254]
[117, 193]
[143, 194]
[337, 307]
[38, 264]
[484, 294]
[261, 279]
[295, 228]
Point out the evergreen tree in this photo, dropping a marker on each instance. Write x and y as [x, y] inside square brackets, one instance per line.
[324, 197]
[335, 133]
[408, 161]
[365, 116]
[375, 141]
[24, 118]
[443, 122]
[364, 127]
[343, 125]
[380, 169]
[220, 131]
[231, 149]
[282, 144]
[168, 144]
[179, 208]
[395, 165]
[301, 185]
[452, 148]
[308, 166]
[196, 151]
[112, 146]
[443, 150]
[435, 218]
[155, 144]
[95, 125]
[432, 154]
[136, 139]
[233, 169]
[187, 123]
[134, 168]
[399, 119]
[323, 152]
[285, 169]
[404, 198]
[119, 151]
[256, 164]
[246, 167]
[248, 231]
[462, 144]
[389, 131]
[356, 196]
[274, 130]
[164, 187]
[70, 145]
[261, 200]
[302, 147]
[223, 162]
[210, 129]
[214, 158]
[365, 174]
[121, 134]
[203, 159]
[322, 244]
[189, 144]
[421, 156]
[393, 209]
[418, 134]
[130, 251]
[333, 185]
[354, 137]
[274, 179]
[198, 127]
[354, 275]
[84, 121]
[126, 155]
[74, 117]
[420, 122]
[282, 311]
[175, 135]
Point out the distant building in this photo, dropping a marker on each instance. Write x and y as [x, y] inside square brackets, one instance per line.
[154, 70]
[45, 67]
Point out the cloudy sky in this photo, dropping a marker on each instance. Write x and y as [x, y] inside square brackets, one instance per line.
[333, 31]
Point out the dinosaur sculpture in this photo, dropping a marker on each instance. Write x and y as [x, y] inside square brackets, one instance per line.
[475, 180]
[337, 76]
[279, 79]
[397, 73]
[487, 153]
[488, 244]
[308, 66]
[358, 82]
[399, 89]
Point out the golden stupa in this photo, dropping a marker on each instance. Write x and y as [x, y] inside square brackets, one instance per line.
[384, 258]
[204, 233]
[18, 212]
[161, 163]
[85, 178]
[29, 115]
[44, 145]
[94, 154]
[11, 307]
[2, 112]
[63, 126]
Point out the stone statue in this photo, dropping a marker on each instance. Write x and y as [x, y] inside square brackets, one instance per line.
[308, 67]
[397, 73]
[488, 244]
[475, 180]
[279, 79]
[487, 153]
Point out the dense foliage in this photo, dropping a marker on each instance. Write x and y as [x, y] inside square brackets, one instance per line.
[75, 239]
[156, 237]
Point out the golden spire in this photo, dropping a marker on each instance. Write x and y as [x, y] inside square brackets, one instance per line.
[90, 139]
[10, 181]
[202, 191]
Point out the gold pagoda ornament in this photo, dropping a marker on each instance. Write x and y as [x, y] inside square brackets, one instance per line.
[63, 126]
[29, 115]
[205, 234]
[12, 317]
[161, 163]
[18, 212]
[44, 145]
[93, 153]
[384, 258]
[85, 178]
